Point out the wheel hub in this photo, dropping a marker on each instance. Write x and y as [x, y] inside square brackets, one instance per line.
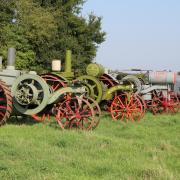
[26, 94]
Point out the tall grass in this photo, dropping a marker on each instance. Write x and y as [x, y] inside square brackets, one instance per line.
[115, 150]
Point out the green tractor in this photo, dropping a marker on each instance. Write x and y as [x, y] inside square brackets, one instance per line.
[100, 88]
[118, 98]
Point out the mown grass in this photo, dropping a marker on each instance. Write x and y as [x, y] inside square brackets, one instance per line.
[115, 150]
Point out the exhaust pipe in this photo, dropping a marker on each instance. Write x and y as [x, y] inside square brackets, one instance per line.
[68, 67]
[1, 63]
[11, 59]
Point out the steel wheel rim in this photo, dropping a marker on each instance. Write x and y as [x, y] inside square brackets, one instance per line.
[97, 111]
[75, 113]
[107, 80]
[126, 110]
[5, 102]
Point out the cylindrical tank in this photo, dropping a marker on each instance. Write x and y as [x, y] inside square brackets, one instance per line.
[162, 77]
[56, 65]
[177, 85]
[11, 58]
[68, 60]
[95, 70]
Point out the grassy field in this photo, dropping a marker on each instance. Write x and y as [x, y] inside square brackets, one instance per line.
[147, 150]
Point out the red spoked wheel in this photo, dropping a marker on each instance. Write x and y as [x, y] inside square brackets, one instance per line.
[75, 112]
[144, 106]
[127, 107]
[44, 115]
[107, 80]
[55, 82]
[171, 102]
[97, 111]
[168, 103]
[5, 102]
[155, 105]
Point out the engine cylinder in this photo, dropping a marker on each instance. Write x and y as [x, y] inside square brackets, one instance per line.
[162, 77]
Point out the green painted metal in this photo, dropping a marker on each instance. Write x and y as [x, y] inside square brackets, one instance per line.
[131, 79]
[94, 87]
[68, 66]
[30, 94]
[109, 93]
[9, 76]
[95, 70]
[56, 96]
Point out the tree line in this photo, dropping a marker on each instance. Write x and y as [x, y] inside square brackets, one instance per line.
[41, 30]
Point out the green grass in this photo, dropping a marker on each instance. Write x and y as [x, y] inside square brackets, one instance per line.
[147, 150]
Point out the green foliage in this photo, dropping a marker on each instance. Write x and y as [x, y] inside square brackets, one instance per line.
[148, 150]
[13, 36]
[44, 29]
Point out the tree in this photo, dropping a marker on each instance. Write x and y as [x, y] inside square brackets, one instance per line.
[44, 29]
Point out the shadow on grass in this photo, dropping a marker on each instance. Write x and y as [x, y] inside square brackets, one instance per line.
[29, 121]
[19, 120]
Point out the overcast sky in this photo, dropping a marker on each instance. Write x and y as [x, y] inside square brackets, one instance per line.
[140, 33]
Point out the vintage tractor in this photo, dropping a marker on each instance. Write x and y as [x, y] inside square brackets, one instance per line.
[101, 89]
[157, 91]
[114, 97]
[32, 94]
[67, 110]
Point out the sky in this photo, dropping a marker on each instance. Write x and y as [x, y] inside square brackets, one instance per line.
[142, 34]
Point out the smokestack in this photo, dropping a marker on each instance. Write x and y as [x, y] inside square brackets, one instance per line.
[68, 61]
[11, 58]
[0, 63]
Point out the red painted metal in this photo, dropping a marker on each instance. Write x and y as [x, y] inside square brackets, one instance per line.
[144, 106]
[168, 103]
[127, 107]
[54, 81]
[107, 80]
[5, 102]
[75, 112]
[172, 103]
[96, 109]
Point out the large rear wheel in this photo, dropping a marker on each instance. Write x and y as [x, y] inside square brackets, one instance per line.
[5, 102]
